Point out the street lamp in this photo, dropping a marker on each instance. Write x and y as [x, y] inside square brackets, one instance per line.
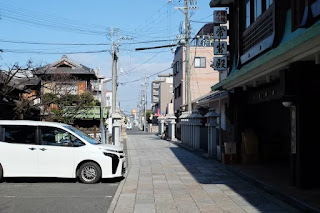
[102, 129]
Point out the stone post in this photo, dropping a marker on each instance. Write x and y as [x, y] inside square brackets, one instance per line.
[171, 120]
[212, 125]
[116, 120]
[161, 125]
[191, 130]
[196, 126]
[183, 127]
[186, 129]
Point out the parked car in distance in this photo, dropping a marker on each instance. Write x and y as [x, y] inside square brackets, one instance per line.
[129, 125]
[47, 149]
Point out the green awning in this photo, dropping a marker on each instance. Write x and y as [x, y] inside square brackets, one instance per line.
[89, 113]
[308, 34]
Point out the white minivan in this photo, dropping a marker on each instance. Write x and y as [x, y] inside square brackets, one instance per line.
[47, 149]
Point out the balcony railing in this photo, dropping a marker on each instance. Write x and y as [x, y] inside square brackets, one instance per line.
[261, 29]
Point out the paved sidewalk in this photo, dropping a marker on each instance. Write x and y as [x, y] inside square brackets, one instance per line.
[163, 177]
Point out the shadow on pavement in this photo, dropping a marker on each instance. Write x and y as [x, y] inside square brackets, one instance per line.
[221, 183]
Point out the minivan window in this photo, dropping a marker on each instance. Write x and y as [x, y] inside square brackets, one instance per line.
[20, 134]
[82, 134]
[53, 136]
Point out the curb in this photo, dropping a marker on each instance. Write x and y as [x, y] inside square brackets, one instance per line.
[120, 187]
[117, 195]
[304, 207]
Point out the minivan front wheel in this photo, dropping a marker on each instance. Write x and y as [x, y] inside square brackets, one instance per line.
[89, 173]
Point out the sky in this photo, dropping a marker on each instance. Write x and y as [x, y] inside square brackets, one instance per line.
[39, 31]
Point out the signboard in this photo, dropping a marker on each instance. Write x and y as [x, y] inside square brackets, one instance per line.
[220, 63]
[220, 32]
[220, 16]
[220, 47]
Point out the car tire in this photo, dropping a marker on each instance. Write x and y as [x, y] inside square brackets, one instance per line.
[89, 173]
[1, 174]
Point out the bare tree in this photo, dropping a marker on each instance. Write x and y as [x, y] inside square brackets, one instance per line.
[14, 82]
[55, 96]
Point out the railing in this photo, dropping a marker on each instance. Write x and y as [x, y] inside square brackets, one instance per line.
[261, 29]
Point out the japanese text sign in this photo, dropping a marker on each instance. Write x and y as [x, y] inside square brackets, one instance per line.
[220, 63]
[220, 32]
[220, 16]
[220, 48]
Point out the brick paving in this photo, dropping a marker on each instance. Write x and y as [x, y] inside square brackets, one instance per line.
[165, 178]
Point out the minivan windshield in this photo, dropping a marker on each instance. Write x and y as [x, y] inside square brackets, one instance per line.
[82, 134]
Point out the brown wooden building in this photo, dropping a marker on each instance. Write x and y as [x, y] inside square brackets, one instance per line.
[273, 84]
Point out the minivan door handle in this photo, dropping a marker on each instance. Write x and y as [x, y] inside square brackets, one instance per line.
[43, 149]
[32, 148]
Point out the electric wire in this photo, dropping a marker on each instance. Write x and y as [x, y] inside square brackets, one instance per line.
[53, 53]
[127, 82]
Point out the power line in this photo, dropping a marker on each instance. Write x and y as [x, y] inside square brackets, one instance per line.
[144, 62]
[54, 53]
[78, 44]
[127, 82]
[53, 22]
[48, 43]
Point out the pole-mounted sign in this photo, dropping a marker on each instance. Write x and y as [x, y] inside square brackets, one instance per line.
[220, 16]
[220, 32]
[220, 63]
[220, 47]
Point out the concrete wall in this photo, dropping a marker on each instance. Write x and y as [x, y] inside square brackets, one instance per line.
[215, 105]
[201, 78]
[165, 94]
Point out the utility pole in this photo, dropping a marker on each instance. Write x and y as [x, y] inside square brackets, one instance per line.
[104, 138]
[145, 101]
[187, 54]
[117, 66]
[113, 73]
[187, 49]
[116, 117]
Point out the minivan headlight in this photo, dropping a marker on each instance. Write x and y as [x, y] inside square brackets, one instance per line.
[110, 155]
[110, 150]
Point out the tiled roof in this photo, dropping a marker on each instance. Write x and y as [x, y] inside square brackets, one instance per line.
[65, 66]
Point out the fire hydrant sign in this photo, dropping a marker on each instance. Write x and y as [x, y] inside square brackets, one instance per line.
[220, 47]
[220, 32]
[220, 63]
[220, 16]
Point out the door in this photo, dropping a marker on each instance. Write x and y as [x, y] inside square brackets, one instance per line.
[19, 151]
[56, 153]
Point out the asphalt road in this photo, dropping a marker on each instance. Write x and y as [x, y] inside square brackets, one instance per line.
[56, 195]
[136, 131]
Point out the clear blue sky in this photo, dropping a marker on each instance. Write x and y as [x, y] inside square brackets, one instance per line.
[75, 21]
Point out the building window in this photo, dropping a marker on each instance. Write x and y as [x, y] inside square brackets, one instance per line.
[177, 67]
[257, 8]
[268, 3]
[248, 21]
[200, 62]
[177, 91]
[297, 12]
